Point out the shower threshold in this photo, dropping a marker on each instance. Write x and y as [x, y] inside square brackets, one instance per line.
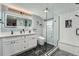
[50, 52]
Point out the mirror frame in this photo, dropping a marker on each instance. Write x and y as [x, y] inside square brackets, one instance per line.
[5, 21]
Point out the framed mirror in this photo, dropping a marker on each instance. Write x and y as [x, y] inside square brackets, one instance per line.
[10, 21]
[13, 21]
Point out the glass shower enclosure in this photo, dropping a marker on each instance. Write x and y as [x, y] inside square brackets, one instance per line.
[52, 33]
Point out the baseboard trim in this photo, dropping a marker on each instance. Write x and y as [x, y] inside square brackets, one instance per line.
[69, 44]
[73, 49]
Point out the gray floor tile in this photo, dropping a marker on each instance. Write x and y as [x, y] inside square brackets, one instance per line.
[38, 51]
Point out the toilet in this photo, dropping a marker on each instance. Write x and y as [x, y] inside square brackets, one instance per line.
[41, 40]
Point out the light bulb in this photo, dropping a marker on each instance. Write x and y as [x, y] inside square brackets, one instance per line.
[46, 10]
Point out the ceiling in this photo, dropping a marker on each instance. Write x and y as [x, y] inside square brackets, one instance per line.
[54, 8]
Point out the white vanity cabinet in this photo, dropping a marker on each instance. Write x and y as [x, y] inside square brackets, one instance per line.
[7, 50]
[7, 46]
[32, 41]
[29, 42]
[15, 44]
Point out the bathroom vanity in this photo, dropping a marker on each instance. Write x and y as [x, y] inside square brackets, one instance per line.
[13, 21]
[14, 44]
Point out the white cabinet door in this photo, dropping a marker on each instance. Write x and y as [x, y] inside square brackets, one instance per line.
[18, 46]
[32, 42]
[25, 44]
[7, 48]
[29, 42]
[12, 48]
[6, 43]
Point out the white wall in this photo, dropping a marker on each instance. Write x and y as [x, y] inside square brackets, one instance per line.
[44, 29]
[69, 41]
[20, 23]
[37, 21]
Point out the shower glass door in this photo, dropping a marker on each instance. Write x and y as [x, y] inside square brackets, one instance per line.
[50, 31]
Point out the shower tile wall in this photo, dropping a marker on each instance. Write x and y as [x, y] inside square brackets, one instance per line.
[37, 21]
[55, 33]
[50, 32]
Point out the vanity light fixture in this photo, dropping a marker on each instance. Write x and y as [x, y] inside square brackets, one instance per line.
[18, 10]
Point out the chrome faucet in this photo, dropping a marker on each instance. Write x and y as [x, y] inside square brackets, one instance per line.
[23, 30]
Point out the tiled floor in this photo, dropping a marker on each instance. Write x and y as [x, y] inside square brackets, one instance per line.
[39, 50]
[62, 53]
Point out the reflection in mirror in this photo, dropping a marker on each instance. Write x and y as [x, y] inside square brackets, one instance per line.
[28, 23]
[11, 21]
